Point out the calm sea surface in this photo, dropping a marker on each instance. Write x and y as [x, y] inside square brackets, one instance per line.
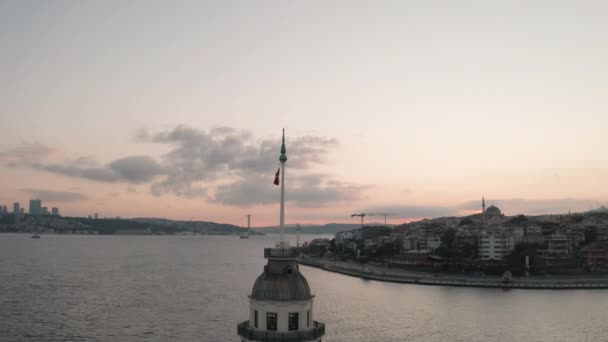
[194, 288]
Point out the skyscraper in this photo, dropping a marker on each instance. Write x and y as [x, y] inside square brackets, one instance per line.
[35, 207]
[16, 210]
[55, 211]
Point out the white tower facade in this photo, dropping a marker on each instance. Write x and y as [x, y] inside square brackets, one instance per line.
[281, 304]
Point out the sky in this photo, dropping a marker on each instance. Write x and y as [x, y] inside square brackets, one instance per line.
[415, 108]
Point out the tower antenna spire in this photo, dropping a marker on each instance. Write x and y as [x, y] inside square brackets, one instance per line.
[283, 160]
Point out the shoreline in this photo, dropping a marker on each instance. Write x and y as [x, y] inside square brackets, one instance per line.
[421, 278]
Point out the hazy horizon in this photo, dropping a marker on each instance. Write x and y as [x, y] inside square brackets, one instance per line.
[417, 108]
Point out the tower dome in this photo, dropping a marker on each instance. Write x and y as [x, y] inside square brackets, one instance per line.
[285, 283]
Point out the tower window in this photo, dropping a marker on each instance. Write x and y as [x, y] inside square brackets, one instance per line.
[271, 321]
[293, 321]
[255, 318]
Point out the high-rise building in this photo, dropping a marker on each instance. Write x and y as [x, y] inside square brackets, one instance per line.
[55, 211]
[35, 207]
[16, 209]
[96, 216]
[44, 211]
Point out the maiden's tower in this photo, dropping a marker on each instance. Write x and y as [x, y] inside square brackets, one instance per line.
[281, 304]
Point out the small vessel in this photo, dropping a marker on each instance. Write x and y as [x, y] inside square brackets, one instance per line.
[507, 277]
[36, 236]
[246, 234]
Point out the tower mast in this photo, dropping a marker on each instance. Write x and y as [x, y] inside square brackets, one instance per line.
[283, 159]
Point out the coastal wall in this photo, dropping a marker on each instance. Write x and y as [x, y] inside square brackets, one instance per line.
[420, 278]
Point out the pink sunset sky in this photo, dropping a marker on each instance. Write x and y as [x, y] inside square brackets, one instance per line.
[416, 108]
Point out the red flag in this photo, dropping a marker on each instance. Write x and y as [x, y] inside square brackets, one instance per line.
[276, 177]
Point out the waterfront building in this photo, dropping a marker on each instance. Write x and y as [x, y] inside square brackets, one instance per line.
[602, 232]
[495, 244]
[413, 239]
[414, 257]
[595, 255]
[534, 238]
[357, 234]
[281, 303]
[559, 246]
[518, 232]
[342, 238]
[432, 242]
[533, 228]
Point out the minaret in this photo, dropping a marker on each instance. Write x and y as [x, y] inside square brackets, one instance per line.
[281, 304]
[298, 235]
[483, 210]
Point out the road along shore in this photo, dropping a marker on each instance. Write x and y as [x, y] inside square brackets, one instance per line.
[420, 278]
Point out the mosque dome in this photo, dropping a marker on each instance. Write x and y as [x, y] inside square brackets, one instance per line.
[287, 284]
[493, 211]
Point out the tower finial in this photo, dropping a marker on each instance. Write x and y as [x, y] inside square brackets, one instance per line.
[283, 157]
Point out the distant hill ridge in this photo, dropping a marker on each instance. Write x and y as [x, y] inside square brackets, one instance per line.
[330, 228]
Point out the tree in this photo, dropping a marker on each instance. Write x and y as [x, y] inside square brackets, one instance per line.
[577, 218]
[519, 219]
[465, 221]
[590, 234]
[332, 245]
[517, 258]
[448, 238]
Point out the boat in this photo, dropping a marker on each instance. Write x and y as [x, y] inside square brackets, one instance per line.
[507, 277]
[35, 236]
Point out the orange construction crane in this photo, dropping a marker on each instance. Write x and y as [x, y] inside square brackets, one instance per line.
[362, 215]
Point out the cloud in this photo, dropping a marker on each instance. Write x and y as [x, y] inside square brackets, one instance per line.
[515, 206]
[54, 196]
[134, 169]
[26, 153]
[312, 190]
[198, 158]
[222, 164]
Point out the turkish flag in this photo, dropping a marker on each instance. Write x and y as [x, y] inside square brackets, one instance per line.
[276, 177]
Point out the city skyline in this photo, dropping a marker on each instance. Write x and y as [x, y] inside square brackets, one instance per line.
[176, 111]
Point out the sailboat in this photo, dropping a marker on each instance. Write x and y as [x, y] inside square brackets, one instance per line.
[247, 233]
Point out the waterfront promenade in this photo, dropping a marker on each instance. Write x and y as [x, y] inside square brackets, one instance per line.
[381, 273]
